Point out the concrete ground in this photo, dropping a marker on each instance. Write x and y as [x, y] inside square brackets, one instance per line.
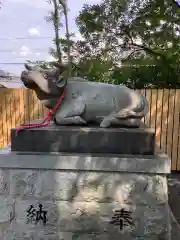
[174, 203]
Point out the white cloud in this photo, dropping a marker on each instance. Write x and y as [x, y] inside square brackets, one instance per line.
[169, 44]
[24, 51]
[162, 22]
[138, 41]
[77, 36]
[33, 31]
[33, 3]
[50, 58]
[120, 41]
[92, 1]
[38, 53]
[148, 23]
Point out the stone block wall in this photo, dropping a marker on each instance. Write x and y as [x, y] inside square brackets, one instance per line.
[80, 205]
[79, 195]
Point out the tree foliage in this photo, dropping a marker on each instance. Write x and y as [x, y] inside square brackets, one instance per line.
[62, 45]
[133, 33]
[136, 43]
[118, 26]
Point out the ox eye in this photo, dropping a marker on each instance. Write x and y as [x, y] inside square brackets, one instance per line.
[45, 76]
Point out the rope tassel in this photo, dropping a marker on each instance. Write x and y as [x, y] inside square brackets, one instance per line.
[46, 121]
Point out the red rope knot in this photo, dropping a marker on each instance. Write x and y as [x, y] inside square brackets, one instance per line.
[47, 119]
[49, 116]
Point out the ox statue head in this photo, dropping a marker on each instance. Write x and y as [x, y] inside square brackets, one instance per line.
[47, 83]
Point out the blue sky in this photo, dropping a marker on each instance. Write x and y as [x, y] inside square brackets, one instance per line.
[23, 20]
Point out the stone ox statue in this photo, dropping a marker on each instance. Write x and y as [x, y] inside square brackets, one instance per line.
[85, 102]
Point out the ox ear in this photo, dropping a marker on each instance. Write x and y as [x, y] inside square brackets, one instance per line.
[57, 64]
[61, 83]
[28, 67]
[60, 66]
[54, 72]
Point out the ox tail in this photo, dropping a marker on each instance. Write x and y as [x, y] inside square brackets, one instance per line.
[144, 109]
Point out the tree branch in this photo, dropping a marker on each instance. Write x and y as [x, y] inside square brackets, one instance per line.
[56, 29]
[128, 57]
[149, 50]
[65, 10]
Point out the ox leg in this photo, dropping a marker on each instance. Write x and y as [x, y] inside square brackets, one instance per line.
[110, 121]
[116, 118]
[131, 122]
[70, 113]
[124, 113]
[107, 122]
[76, 120]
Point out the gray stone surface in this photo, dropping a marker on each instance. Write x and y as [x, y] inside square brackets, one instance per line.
[85, 101]
[85, 140]
[88, 217]
[158, 163]
[6, 210]
[38, 235]
[80, 194]
[4, 182]
[175, 228]
[82, 204]
[94, 217]
[89, 186]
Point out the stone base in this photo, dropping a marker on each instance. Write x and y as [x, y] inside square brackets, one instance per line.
[85, 140]
[81, 194]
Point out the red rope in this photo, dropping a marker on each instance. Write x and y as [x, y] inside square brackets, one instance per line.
[47, 119]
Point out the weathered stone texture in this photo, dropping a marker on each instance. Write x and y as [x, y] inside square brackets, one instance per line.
[80, 205]
[23, 234]
[105, 236]
[4, 182]
[6, 210]
[102, 187]
[6, 214]
[75, 236]
[77, 139]
[94, 217]
[19, 235]
[156, 164]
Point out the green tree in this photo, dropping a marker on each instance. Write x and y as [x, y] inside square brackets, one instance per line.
[63, 4]
[62, 50]
[133, 33]
[131, 42]
[59, 10]
[116, 26]
[55, 17]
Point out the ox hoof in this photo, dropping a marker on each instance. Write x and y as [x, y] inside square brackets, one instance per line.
[105, 124]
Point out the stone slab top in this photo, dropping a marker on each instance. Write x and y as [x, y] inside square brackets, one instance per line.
[89, 128]
[158, 163]
[86, 140]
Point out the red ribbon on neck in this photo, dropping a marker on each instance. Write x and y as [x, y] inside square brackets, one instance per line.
[47, 119]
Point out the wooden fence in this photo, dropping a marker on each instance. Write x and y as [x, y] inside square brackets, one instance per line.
[20, 105]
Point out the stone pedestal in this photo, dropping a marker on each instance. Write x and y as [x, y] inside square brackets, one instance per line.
[85, 140]
[83, 195]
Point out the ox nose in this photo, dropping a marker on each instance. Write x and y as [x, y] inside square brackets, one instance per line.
[24, 76]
